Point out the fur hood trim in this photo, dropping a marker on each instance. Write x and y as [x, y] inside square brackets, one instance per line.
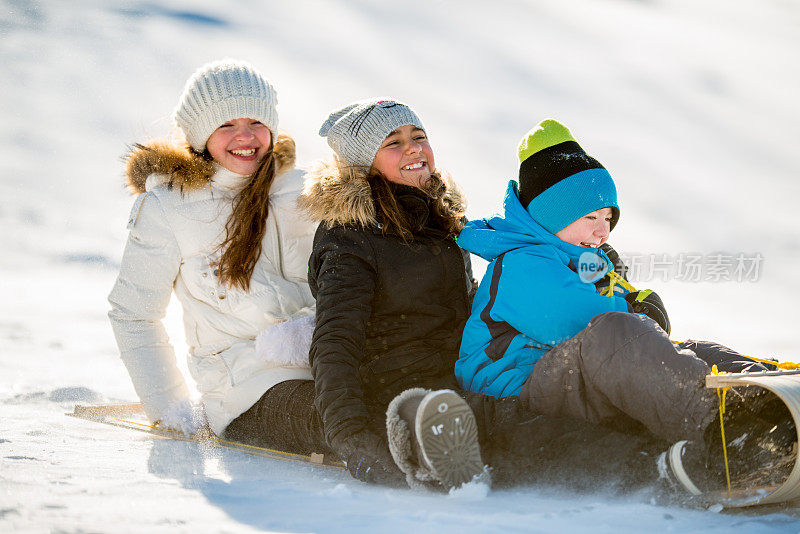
[183, 168]
[340, 194]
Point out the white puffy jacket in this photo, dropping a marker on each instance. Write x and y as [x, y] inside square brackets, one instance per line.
[176, 227]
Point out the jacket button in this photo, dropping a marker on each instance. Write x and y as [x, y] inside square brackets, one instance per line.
[221, 297]
[213, 292]
[205, 275]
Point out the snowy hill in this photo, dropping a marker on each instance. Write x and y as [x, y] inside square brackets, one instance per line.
[691, 105]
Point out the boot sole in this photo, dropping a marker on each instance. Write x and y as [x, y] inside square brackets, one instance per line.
[448, 438]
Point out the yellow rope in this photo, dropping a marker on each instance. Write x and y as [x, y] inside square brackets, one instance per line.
[721, 392]
[788, 366]
[204, 439]
[614, 280]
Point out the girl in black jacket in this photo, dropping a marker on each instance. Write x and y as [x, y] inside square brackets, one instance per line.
[393, 288]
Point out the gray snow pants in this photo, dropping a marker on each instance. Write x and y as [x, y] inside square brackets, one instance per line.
[623, 367]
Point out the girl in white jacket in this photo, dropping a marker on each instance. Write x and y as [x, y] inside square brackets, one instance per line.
[216, 222]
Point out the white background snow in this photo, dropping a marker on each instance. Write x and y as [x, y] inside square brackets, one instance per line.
[691, 104]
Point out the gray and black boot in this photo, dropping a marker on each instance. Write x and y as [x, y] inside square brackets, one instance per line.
[433, 438]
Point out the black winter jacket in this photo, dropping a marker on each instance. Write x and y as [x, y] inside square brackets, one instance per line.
[389, 314]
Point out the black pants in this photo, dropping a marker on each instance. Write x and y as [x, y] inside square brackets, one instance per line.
[519, 446]
[522, 447]
[284, 418]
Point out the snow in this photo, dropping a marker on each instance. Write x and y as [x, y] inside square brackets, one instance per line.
[691, 105]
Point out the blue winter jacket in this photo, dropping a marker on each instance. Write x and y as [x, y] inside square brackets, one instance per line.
[537, 292]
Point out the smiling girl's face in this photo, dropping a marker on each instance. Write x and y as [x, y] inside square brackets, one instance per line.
[240, 145]
[405, 157]
[591, 230]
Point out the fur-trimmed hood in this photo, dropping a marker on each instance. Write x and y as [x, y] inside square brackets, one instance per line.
[339, 194]
[185, 169]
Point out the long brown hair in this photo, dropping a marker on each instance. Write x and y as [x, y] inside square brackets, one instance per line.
[246, 226]
[445, 214]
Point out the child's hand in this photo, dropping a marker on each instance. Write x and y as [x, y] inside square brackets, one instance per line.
[649, 303]
[619, 266]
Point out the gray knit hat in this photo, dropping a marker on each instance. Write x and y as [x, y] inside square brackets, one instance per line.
[356, 132]
[222, 91]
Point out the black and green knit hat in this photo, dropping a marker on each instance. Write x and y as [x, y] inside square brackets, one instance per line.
[558, 182]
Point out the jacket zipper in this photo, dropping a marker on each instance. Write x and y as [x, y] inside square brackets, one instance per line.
[278, 244]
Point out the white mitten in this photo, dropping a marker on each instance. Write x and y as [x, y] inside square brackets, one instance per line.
[287, 343]
[186, 416]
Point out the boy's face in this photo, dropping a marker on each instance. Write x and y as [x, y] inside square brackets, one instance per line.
[591, 230]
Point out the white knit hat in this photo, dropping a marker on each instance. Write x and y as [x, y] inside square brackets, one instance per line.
[222, 91]
[356, 132]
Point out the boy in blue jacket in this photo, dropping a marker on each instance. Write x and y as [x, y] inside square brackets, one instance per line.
[555, 322]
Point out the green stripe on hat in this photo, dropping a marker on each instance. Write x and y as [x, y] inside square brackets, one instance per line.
[547, 133]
